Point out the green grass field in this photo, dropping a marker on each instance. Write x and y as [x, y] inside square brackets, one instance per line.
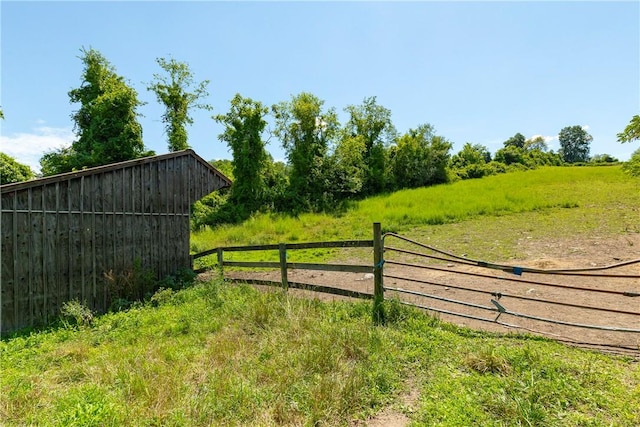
[552, 201]
[218, 354]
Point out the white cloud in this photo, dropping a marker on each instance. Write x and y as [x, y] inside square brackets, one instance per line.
[27, 148]
[585, 127]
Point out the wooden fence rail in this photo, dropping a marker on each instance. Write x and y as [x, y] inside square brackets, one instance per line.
[284, 266]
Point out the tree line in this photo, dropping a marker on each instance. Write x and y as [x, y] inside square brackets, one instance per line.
[328, 163]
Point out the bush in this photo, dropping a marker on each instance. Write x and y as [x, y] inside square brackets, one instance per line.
[76, 313]
[632, 167]
[183, 278]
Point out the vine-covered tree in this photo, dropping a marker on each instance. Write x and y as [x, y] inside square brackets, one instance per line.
[372, 123]
[631, 132]
[305, 131]
[244, 124]
[12, 171]
[106, 124]
[575, 144]
[179, 93]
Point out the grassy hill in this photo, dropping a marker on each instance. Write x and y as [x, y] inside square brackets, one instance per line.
[551, 201]
[216, 354]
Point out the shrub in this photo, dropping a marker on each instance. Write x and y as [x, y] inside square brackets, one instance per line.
[632, 167]
[76, 313]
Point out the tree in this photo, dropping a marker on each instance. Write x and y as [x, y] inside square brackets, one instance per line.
[305, 131]
[13, 171]
[575, 143]
[536, 143]
[106, 123]
[276, 182]
[631, 132]
[349, 165]
[371, 122]
[516, 140]
[420, 158]
[603, 158]
[1, 114]
[178, 93]
[469, 155]
[244, 124]
[471, 162]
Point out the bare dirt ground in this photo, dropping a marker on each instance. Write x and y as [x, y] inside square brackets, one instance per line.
[553, 302]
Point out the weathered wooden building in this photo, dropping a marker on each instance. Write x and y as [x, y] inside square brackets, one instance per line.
[63, 235]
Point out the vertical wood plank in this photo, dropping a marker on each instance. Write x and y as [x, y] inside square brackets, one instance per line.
[80, 219]
[221, 261]
[94, 255]
[282, 249]
[16, 280]
[29, 258]
[45, 255]
[378, 289]
[7, 280]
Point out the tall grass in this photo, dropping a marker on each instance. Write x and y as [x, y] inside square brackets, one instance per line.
[210, 355]
[217, 354]
[583, 197]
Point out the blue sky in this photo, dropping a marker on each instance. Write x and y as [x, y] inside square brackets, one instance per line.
[477, 71]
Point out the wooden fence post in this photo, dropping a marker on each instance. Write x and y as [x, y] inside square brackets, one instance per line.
[220, 261]
[282, 248]
[378, 287]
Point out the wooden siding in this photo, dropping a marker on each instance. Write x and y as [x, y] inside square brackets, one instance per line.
[62, 234]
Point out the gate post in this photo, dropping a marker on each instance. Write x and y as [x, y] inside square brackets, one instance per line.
[282, 248]
[220, 252]
[378, 287]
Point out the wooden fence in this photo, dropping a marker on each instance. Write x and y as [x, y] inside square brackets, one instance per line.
[283, 265]
[561, 304]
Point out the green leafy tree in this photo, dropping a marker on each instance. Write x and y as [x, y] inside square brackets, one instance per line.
[179, 93]
[225, 166]
[471, 162]
[603, 158]
[276, 181]
[575, 144]
[470, 154]
[349, 166]
[306, 131]
[106, 124]
[244, 124]
[1, 114]
[536, 157]
[631, 132]
[536, 143]
[516, 141]
[510, 155]
[372, 123]
[420, 158]
[12, 171]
